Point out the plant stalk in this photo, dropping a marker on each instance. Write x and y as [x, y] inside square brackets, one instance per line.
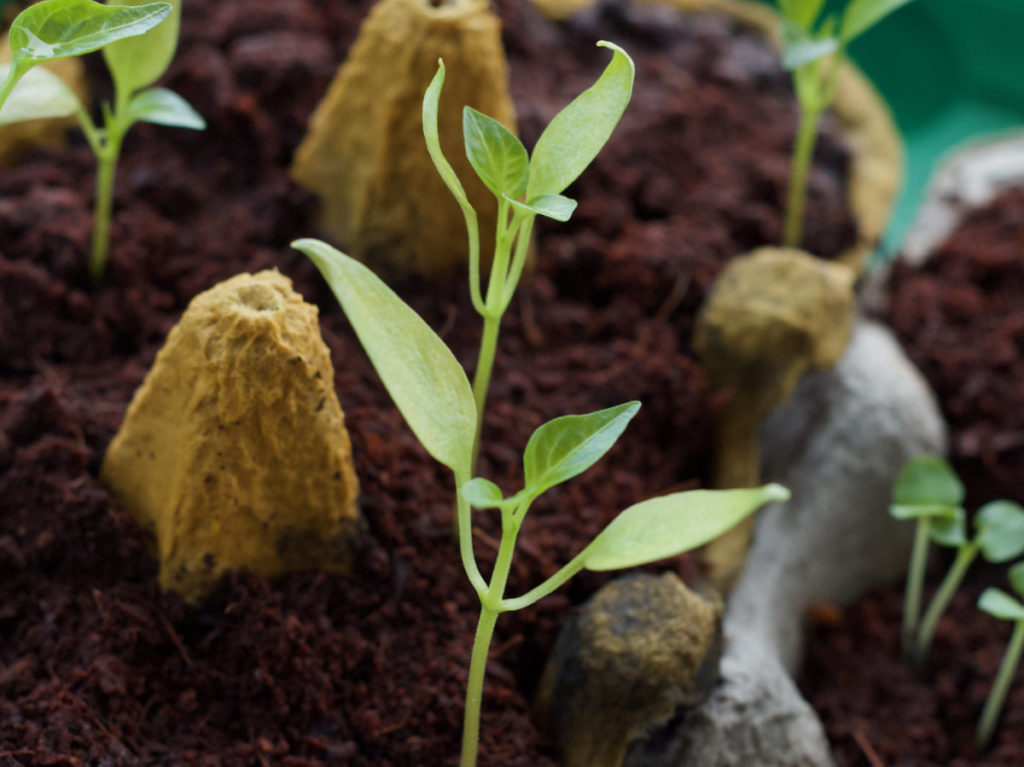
[915, 585]
[994, 704]
[964, 556]
[482, 376]
[105, 174]
[803, 152]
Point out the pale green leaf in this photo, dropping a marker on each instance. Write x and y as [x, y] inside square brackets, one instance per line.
[576, 134]
[799, 48]
[933, 511]
[1000, 526]
[39, 94]
[138, 62]
[928, 481]
[1000, 604]
[55, 29]
[161, 106]
[555, 206]
[424, 379]
[431, 104]
[861, 15]
[669, 525]
[483, 494]
[568, 446]
[496, 153]
[951, 532]
[1016, 576]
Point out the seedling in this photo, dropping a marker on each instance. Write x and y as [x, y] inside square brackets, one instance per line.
[433, 393]
[525, 186]
[928, 491]
[1000, 604]
[814, 47]
[59, 28]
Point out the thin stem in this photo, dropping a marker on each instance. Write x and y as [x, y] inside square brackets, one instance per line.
[964, 556]
[482, 376]
[524, 228]
[106, 171]
[994, 704]
[549, 586]
[915, 585]
[464, 520]
[803, 151]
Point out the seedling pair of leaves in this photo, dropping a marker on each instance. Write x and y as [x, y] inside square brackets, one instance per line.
[433, 393]
[929, 492]
[998, 603]
[810, 36]
[138, 41]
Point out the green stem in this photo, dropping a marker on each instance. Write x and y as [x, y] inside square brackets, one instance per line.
[547, 587]
[482, 376]
[803, 152]
[464, 523]
[994, 704]
[106, 171]
[964, 556]
[915, 585]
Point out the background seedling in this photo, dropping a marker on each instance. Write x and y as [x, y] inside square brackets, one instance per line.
[1000, 604]
[814, 48]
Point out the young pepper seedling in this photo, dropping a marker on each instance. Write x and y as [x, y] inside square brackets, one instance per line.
[1000, 604]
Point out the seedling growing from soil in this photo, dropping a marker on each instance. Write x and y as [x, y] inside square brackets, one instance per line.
[1000, 604]
[59, 28]
[814, 46]
[525, 187]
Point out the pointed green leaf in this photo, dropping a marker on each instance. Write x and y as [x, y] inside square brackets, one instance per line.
[799, 48]
[567, 446]
[555, 206]
[909, 511]
[1000, 604]
[161, 106]
[423, 377]
[928, 480]
[669, 525]
[138, 62]
[951, 532]
[1000, 526]
[1016, 576]
[576, 134]
[39, 94]
[55, 29]
[431, 104]
[496, 153]
[861, 15]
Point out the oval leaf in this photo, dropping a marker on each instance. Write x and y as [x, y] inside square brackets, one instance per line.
[1016, 576]
[669, 525]
[951, 532]
[907, 511]
[577, 133]
[861, 15]
[138, 62]
[928, 481]
[1000, 526]
[39, 94]
[496, 153]
[481, 493]
[423, 377]
[161, 106]
[55, 29]
[1000, 604]
[555, 206]
[567, 446]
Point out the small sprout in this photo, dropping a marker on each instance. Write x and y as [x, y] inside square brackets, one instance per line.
[808, 40]
[1003, 606]
[929, 491]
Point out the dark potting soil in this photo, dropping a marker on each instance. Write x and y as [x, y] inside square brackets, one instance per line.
[961, 318]
[98, 667]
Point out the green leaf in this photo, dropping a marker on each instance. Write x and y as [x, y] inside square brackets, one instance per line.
[806, 12]
[161, 106]
[39, 94]
[577, 133]
[1016, 576]
[950, 532]
[861, 15]
[555, 206]
[423, 377]
[568, 446]
[138, 62]
[1000, 604]
[481, 493]
[496, 153]
[669, 525]
[55, 29]
[928, 481]
[1000, 526]
[909, 511]
[800, 49]
[431, 102]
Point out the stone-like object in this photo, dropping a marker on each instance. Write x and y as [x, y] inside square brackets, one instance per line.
[643, 646]
[364, 154]
[234, 451]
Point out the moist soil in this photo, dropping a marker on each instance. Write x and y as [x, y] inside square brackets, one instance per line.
[961, 318]
[96, 665]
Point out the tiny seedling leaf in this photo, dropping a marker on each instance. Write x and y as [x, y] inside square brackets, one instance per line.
[576, 134]
[138, 62]
[431, 103]
[909, 511]
[669, 525]
[423, 377]
[802, 12]
[861, 15]
[951, 532]
[56, 29]
[496, 153]
[161, 106]
[568, 446]
[1000, 526]
[799, 48]
[1016, 576]
[928, 481]
[39, 94]
[481, 493]
[1000, 604]
[555, 206]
